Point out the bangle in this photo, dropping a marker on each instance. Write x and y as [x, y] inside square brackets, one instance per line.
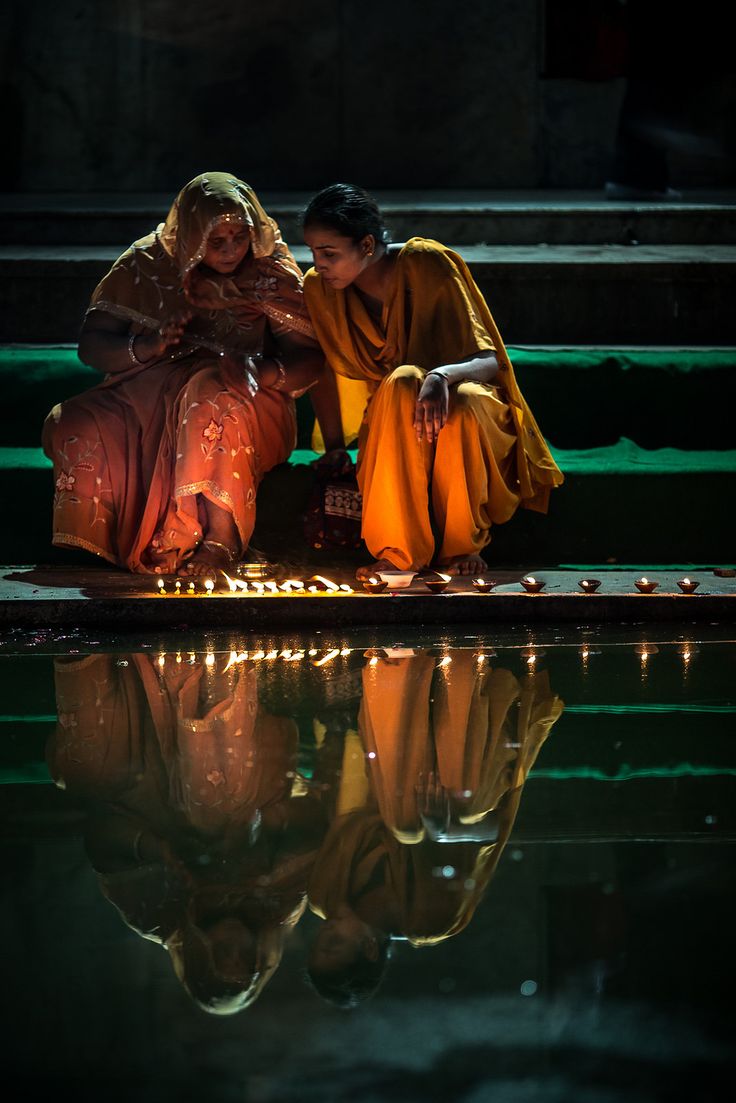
[280, 380]
[232, 556]
[441, 374]
[131, 351]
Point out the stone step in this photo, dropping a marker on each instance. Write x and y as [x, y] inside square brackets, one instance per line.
[620, 503]
[701, 217]
[646, 394]
[556, 294]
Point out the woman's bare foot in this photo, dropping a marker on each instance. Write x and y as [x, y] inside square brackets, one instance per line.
[220, 548]
[211, 556]
[464, 564]
[372, 570]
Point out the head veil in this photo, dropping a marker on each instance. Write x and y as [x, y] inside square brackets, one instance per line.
[159, 275]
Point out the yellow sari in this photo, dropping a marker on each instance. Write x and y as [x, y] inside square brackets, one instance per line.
[489, 458]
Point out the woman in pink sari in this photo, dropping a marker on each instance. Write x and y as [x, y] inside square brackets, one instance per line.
[201, 331]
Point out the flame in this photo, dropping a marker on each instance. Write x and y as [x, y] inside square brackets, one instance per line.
[210, 659]
[444, 577]
[346, 651]
[235, 583]
[686, 581]
[373, 661]
[162, 659]
[209, 586]
[374, 581]
[445, 661]
[235, 658]
[644, 581]
[331, 586]
[272, 655]
[346, 589]
[272, 587]
[530, 579]
[326, 658]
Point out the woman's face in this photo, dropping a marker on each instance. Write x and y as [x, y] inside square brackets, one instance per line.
[227, 246]
[339, 260]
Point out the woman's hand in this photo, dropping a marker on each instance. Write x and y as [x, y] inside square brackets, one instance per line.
[334, 463]
[152, 346]
[433, 403]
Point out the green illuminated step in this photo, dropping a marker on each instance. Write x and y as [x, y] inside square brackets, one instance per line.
[619, 502]
[582, 396]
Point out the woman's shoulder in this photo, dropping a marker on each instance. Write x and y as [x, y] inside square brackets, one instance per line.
[425, 252]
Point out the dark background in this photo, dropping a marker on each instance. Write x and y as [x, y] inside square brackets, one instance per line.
[140, 95]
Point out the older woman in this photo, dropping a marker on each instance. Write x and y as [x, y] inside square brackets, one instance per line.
[203, 336]
[447, 446]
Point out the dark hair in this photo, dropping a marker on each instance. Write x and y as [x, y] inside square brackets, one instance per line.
[348, 210]
[348, 987]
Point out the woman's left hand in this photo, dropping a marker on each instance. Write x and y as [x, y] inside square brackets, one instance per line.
[433, 403]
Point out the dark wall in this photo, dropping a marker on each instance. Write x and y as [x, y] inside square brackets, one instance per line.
[139, 95]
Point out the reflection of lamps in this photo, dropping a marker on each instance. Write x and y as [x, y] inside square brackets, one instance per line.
[644, 651]
[532, 655]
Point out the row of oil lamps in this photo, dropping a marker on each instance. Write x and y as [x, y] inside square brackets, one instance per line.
[531, 655]
[318, 584]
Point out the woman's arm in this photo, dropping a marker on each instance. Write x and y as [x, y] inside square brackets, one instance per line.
[107, 344]
[433, 400]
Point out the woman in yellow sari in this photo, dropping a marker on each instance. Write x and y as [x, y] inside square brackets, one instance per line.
[203, 336]
[447, 444]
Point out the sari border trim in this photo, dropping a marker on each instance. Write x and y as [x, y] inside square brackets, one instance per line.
[60, 539]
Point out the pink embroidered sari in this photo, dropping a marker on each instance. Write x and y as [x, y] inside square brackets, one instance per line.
[132, 454]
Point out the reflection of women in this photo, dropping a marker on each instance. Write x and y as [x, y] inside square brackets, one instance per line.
[447, 445]
[201, 330]
[196, 828]
[447, 750]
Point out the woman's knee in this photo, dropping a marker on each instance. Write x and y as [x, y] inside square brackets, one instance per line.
[405, 376]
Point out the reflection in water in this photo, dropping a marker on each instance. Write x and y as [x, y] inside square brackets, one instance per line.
[200, 832]
[210, 834]
[429, 789]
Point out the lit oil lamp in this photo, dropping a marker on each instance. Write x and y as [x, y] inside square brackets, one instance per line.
[688, 585]
[645, 585]
[484, 585]
[589, 585]
[532, 585]
[374, 585]
[177, 587]
[437, 584]
[161, 587]
[209, 586]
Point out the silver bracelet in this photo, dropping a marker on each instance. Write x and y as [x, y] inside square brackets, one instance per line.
[131, 351]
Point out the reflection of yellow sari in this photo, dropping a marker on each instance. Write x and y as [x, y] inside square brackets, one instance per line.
[481, 734]
[132, 454]
[489, 458]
